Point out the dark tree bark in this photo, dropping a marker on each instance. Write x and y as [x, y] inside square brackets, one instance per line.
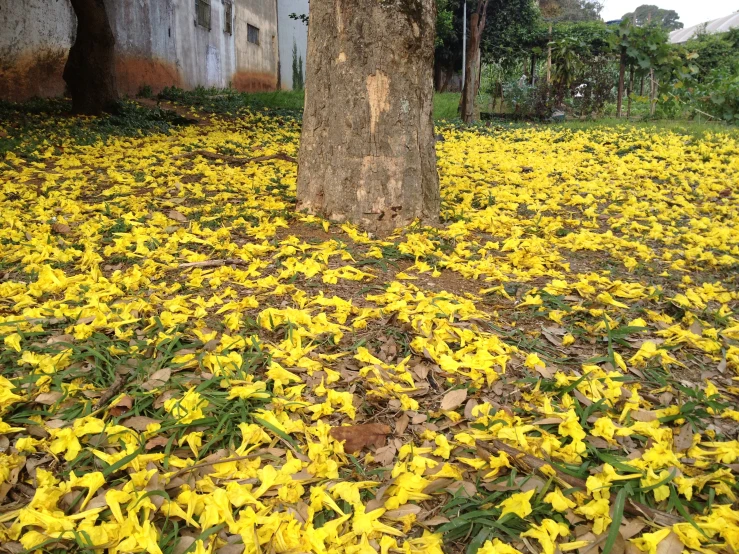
[621, 74]
[629, 90]
[90, 69]
[467, 108]
[367, 150]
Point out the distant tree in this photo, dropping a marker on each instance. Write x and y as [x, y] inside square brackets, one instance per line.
[570, 10]
[506, 38]
[649, 13]
[297, 69]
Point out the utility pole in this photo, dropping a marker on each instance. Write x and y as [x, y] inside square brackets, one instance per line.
[464, 41]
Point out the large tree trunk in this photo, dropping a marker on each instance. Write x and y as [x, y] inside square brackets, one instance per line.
[467, 108]
[90, 69]
[367, 147]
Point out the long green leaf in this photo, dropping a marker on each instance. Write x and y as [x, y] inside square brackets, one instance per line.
[618, 513]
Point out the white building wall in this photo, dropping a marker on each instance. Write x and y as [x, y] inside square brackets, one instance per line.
[158, 44]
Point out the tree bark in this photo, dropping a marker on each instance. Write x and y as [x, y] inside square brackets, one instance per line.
[90, 69]
[629, 90]
[533, 69]
[621, 75]
[367, 151]
[467, 108]
[549, 56]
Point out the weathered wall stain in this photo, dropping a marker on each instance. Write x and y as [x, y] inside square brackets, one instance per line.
[245, 81]
[37, 73]
[134, 72]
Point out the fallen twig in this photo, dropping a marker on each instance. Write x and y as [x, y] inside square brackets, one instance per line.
[114, 389]
[235, 159]
[528, 464]
[212, 263]
[212, 463]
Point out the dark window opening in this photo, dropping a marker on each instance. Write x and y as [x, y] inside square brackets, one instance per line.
[228, 14]
[202, 13]
[252, 34]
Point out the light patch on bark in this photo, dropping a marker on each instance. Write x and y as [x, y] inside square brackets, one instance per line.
[378, 88]
[339, 18]
[341, 58]
[416, 30]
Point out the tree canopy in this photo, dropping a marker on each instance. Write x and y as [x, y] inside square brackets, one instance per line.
[646, 13]
[570, 10]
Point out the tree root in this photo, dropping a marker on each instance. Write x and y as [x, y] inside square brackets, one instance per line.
[212, 263]
[235, 160]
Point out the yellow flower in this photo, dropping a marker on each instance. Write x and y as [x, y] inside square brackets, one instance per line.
[559, 501]
[547, 534]
[518, 504]
[13, 341]
[648, 541]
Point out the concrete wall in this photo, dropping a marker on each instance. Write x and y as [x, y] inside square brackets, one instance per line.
[35, 37]
[291, 32]
[157, 44]
[256, 64]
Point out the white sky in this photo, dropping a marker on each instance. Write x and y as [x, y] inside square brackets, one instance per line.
[691, 12]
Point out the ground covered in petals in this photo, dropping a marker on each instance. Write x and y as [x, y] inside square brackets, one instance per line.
[188, 365]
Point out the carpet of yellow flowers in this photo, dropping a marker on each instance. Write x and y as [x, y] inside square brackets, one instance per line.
[553, 368]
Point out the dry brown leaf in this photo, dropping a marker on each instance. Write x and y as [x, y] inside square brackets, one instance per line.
[584, 400]
[421, 370]
[436, 520]
[643, 415]
[162, 398]
[358, 437]
[48, 398]
[548, 421]
[61, 228]
[544, 371]
[551, 338]
[60, 338]
[671, 544]
[139, 423]
[230, 549]
[684, 439]
[385, 455]
[155, 442]
[177, 216]
[157, 379]
[402, 424]
[632, 528]
[122, 406]
[453, 399]
[403, 511]
[471, 405]
[183, 544]
[418, 419]
[468, 487]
